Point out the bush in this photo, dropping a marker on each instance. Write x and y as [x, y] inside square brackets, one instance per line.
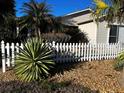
[34, 60]
[77, 36]
[120, 61]
[45, 86]
[52, 86]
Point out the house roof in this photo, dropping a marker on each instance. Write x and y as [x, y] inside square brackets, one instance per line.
[85, 11]
[79, 17]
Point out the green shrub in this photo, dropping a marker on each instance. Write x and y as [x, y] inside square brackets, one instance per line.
[51, 86]
[34, 60]
[120, 61]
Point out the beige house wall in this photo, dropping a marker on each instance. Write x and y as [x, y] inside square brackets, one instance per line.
[103, 32]
[91, 30]
[121, 34]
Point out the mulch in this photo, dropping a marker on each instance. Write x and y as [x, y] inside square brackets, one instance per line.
[96, 75]
[85, 77]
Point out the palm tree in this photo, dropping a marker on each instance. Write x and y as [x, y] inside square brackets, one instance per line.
[112, 9]
[37, 18]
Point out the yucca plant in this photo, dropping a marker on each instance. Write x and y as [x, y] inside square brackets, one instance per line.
[120, 61]
[34, 60]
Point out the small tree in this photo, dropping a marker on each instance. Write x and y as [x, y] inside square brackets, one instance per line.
[7, 20]
[112, 10]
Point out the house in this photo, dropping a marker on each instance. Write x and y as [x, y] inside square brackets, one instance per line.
[101, 33]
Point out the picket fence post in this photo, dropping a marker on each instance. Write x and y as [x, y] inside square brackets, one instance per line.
[82, 53]
[79, 53]
[8, 54]
[70, 54]
[57, 52]
[85, 51]
[3, 56]
[13, 54]
[90, 50]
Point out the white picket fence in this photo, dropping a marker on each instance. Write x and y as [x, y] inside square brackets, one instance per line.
[65, 52]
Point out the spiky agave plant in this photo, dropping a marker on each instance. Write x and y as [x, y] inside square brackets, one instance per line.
[120, 61]
[34, 60]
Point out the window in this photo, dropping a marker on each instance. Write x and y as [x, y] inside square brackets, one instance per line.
[113, 36]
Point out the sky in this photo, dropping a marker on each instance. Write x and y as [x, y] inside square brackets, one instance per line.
[59, 8]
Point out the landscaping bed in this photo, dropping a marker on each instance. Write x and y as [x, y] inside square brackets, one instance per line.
[84, 77]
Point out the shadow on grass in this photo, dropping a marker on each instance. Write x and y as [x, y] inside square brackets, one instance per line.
[43, 87]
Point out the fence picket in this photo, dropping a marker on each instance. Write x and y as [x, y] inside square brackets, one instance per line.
[95, 51]
[73, 52]
[8, 54]
[100, 49]
[61, 53]
[57, 52]
[3, 56]
[79, 52]
[13, 53]
[116, 50]
[107, 50]
[93, 54]
[112, 50]
[17, 47]
[76, 54]
[82, 52]
[103, 56]
[66, 52]
[64, 56]
[90, 49]
[85, 51]
[104, 51]
[70, 50]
